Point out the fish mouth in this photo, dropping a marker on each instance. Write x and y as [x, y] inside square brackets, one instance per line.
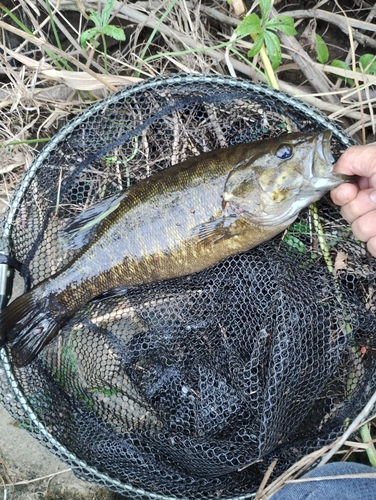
[323, 150]
[323, 147]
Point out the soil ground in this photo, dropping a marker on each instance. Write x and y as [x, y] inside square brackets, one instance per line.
[31, 472]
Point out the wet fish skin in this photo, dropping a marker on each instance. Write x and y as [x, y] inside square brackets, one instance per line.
[177, 222]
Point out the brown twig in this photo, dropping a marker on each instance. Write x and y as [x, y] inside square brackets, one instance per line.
[265, 479]
[317, 79]
[340, 22]
[37, 479]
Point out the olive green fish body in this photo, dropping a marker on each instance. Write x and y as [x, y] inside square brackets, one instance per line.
[179, 221]
[159, 232]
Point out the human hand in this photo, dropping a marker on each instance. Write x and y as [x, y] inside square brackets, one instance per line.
[358, 200]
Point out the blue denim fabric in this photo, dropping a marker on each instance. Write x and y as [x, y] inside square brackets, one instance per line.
[332, 489]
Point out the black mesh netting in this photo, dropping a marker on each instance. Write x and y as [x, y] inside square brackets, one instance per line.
[190, 388]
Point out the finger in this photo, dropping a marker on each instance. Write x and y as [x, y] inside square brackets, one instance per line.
[343, 194]
[371, 246]
[364, 228]
[364, 183]
[359, 160]
[359, 206]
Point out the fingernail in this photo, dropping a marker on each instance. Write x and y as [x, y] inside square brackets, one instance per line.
[373, 196]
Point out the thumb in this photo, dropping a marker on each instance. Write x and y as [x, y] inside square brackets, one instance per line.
[359, 160]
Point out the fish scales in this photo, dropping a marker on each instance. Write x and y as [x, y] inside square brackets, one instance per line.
[179, 221]
[150, 234]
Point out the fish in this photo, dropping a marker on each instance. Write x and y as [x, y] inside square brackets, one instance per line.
[179, 221]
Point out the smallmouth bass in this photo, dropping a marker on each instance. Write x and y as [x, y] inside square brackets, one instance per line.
[178, 221]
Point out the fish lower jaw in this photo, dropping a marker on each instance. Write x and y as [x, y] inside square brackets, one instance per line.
[324, 184]
[287, 216]
[274, 220]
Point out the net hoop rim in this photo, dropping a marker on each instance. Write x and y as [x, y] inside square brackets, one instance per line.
[45, 436]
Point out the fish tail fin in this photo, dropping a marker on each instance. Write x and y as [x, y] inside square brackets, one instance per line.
[29, 323]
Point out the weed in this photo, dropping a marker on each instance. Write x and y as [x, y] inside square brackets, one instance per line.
[266, 42]
[322, 50]
[102, 28]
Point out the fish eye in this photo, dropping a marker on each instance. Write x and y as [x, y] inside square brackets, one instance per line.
[284, 152]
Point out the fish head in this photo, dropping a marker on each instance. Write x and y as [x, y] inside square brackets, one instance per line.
[281, 177]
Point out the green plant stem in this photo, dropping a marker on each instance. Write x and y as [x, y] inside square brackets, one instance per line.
[54, 58]
[16, 20]
[26, 141]
[258, 70]
[104, 53]
[57, 38]
[367, 438]
[53, 25]
[325, 250]
[268, 68]
[321, 238]
[272, 80]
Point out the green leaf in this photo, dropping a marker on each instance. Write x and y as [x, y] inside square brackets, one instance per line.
[322, 50]
[282, 23]
[256, 46]
[249, 26]
[114, 32]
[337, 63]
[368, 63]
[88, 36]
[106, 12]
[96, 18]
[266, 7]
[273, 48]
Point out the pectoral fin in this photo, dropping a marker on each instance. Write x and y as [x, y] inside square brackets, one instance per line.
[212, 231]
[79, 230]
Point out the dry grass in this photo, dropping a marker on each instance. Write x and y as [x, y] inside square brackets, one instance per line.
[44, 85]
[342, 446]
[37, 95]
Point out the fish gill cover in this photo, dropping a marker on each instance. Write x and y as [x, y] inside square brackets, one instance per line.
[191, 387]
